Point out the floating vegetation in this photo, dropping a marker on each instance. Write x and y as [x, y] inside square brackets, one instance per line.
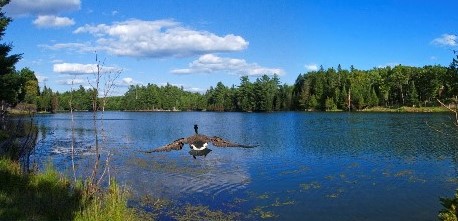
[239, 200]
[414, 179]
[353, 165]
[201, 212]
[410, 175]
[263, 196]
[151, 207]
[261, 212]
[308, 186]
[342, 176]
[302, 169]
[453, 180]
[404, 173]
[278, 203]
[336, 194]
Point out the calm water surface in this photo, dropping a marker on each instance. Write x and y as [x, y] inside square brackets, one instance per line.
[308, 166]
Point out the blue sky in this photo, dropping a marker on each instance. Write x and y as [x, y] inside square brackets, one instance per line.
[195, 44]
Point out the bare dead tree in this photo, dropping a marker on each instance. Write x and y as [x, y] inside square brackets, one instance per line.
[70, 103]
[454, 109]
[108, 78]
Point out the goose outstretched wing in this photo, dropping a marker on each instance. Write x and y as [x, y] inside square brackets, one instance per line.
[175, 145]
[220, 142]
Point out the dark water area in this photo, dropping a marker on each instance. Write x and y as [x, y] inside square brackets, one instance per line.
[313, 166]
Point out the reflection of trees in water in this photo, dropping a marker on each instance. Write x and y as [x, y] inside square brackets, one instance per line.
[18, 139]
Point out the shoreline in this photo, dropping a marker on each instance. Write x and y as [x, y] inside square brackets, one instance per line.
[403, 109]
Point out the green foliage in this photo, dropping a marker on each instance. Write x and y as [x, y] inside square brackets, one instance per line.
[398, 86]
[42, 196]
[449, 212]
[110, 205]
[330, 105]
[321, 90]
[49, 196]
[8, 82]
[200, 212]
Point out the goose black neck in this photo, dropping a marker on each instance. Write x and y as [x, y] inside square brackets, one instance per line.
[196, 128]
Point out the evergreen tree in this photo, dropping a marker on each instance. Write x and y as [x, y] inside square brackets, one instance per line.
[412, 96]
[9, 82]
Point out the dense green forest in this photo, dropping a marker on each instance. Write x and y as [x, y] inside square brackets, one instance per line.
[325, 90]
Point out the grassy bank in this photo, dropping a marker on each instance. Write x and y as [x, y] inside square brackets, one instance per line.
[405, 109]
[49, 196]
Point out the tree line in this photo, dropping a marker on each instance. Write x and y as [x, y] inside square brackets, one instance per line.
[323, 90]
[386, 87]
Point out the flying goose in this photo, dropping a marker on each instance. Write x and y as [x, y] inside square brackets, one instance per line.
[198, 144]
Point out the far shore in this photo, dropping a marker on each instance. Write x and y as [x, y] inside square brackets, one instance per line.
[403, 109]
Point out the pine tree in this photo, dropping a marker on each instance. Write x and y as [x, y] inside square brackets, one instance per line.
[412, 96]
[9, 82]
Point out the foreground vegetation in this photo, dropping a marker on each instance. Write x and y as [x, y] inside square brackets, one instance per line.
[48, 195]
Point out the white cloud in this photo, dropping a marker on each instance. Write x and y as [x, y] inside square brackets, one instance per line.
[79, 47]
[40, 7]
[80, 69]
[446, 40]
[159, 38]
[57, 61]
[311, 67]
[195, 89]
[41, 78]
[75, 81]
[128, 81]
[210, 63]
[390, 64]
[46, 21]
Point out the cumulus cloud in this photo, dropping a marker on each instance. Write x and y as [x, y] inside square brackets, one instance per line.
[159, 38]
[40, 7]
[46, 21]
[210, 63]
[41, 78]
[128, 81]
[311, 67]
[78, 47]
[390, 64]
[446, 40]
[76, 81]
[80, 69]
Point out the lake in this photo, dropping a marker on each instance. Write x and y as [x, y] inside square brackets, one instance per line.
[314, 166]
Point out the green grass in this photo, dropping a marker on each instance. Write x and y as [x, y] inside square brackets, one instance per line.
[44, 196]
[49, 196]
[110, 206]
